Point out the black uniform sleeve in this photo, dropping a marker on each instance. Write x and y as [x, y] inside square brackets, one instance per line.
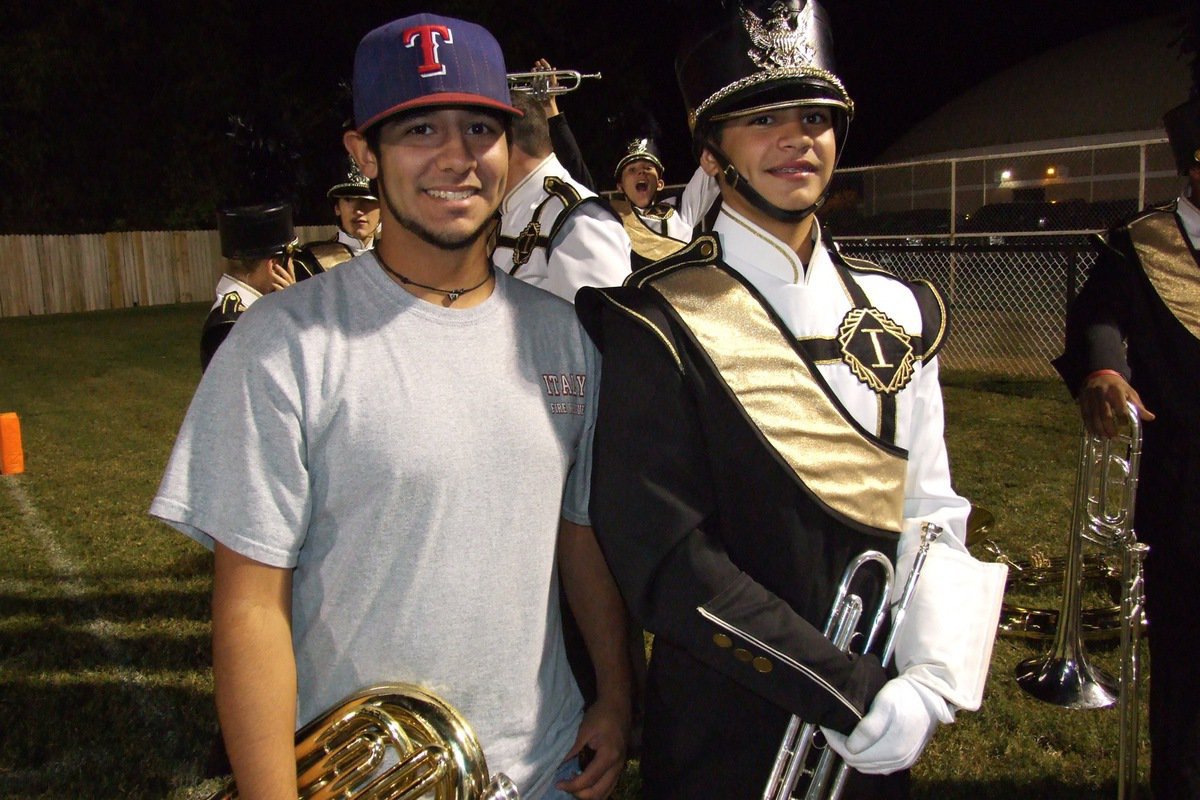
[562, 139]
[658, 518]
[1098, 319]
[210, 340]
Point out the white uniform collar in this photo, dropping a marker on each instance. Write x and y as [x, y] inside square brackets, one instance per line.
[1189, 214]
[245, 291]
[354, 243]
[749, 249]
[530, 187]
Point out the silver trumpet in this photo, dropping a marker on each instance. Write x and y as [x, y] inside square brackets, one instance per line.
[1105, 494]
[546, 82]
[827, 779]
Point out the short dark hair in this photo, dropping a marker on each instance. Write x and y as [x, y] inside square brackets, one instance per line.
[531, 132]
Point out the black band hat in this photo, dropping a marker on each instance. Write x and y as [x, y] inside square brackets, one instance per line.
[355, 184]
[1183, 131]
[764, 56]
[249, 233]
[640, 149]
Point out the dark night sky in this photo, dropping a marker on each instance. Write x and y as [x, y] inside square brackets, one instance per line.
[120, 109]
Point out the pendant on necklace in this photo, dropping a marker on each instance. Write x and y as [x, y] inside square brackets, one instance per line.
[454, 294]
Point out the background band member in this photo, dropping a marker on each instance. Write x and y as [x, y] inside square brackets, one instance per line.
[1133, 336]
[257, 243]
[357, 210]
[391, 464]
[554, 232]
[768, 411]
[656, 229]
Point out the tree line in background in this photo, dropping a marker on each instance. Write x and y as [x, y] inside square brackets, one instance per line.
[117, 114]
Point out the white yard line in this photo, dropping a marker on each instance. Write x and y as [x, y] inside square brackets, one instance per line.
[75, 586]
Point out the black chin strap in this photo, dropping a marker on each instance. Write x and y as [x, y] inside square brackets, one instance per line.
[739, 184]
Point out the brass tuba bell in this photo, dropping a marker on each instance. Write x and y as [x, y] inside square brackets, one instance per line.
[393, 742]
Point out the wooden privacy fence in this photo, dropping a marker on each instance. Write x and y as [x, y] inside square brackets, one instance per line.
[93, 272]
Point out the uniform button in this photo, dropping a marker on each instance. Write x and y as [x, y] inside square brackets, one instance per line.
[742, 654]
[763, 665]
[722, 641]
[706, 249]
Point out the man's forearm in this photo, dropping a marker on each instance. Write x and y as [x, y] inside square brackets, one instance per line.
[254, 672]
[598, 609]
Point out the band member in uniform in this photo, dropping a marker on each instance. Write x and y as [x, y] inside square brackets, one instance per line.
[392, 462]
[257, 243]
[554, 232]
[357, 210]
[639, 178]
[1133, 336]
[656, 229]
[768, 411]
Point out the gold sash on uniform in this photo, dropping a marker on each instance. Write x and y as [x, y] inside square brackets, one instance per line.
[1170, 265]
[649, 244]
[781, 394]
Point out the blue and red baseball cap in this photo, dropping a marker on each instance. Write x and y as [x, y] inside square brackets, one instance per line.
[428, 60]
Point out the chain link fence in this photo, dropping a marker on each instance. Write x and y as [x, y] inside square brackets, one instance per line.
[1007, 237]
[1007, 301]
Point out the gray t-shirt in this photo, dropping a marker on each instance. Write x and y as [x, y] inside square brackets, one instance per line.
[411, 463]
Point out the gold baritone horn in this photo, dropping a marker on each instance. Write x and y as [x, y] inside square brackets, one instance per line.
[393, 742]
[546, 82]
[1105, 491]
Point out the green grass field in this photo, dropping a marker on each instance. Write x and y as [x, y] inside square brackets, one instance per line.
[105, 688]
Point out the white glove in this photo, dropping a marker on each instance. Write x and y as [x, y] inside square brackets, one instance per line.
[900, 722]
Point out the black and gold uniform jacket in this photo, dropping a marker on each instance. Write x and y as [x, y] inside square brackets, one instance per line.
[233, 298]
[654, 233]
[1139, 314]
[558, 235]
[730, 489]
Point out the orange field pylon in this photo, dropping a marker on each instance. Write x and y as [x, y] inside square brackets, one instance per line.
[12, 456]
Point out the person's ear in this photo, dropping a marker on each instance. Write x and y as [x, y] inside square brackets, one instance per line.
[708, 163]
[661, 184]
[356, 146]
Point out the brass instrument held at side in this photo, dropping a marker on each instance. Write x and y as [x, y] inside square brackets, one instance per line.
[1105, 497]
[393, 742]
[546, 82]
[827, 778]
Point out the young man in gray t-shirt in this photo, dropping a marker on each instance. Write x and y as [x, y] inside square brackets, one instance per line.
[393, 464]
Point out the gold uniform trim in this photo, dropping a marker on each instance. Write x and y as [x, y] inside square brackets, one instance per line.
[650, 326]
[645, 242]
[846, 470]
[1170, 265]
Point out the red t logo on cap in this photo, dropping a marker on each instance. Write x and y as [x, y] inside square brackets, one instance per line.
[430, 36]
